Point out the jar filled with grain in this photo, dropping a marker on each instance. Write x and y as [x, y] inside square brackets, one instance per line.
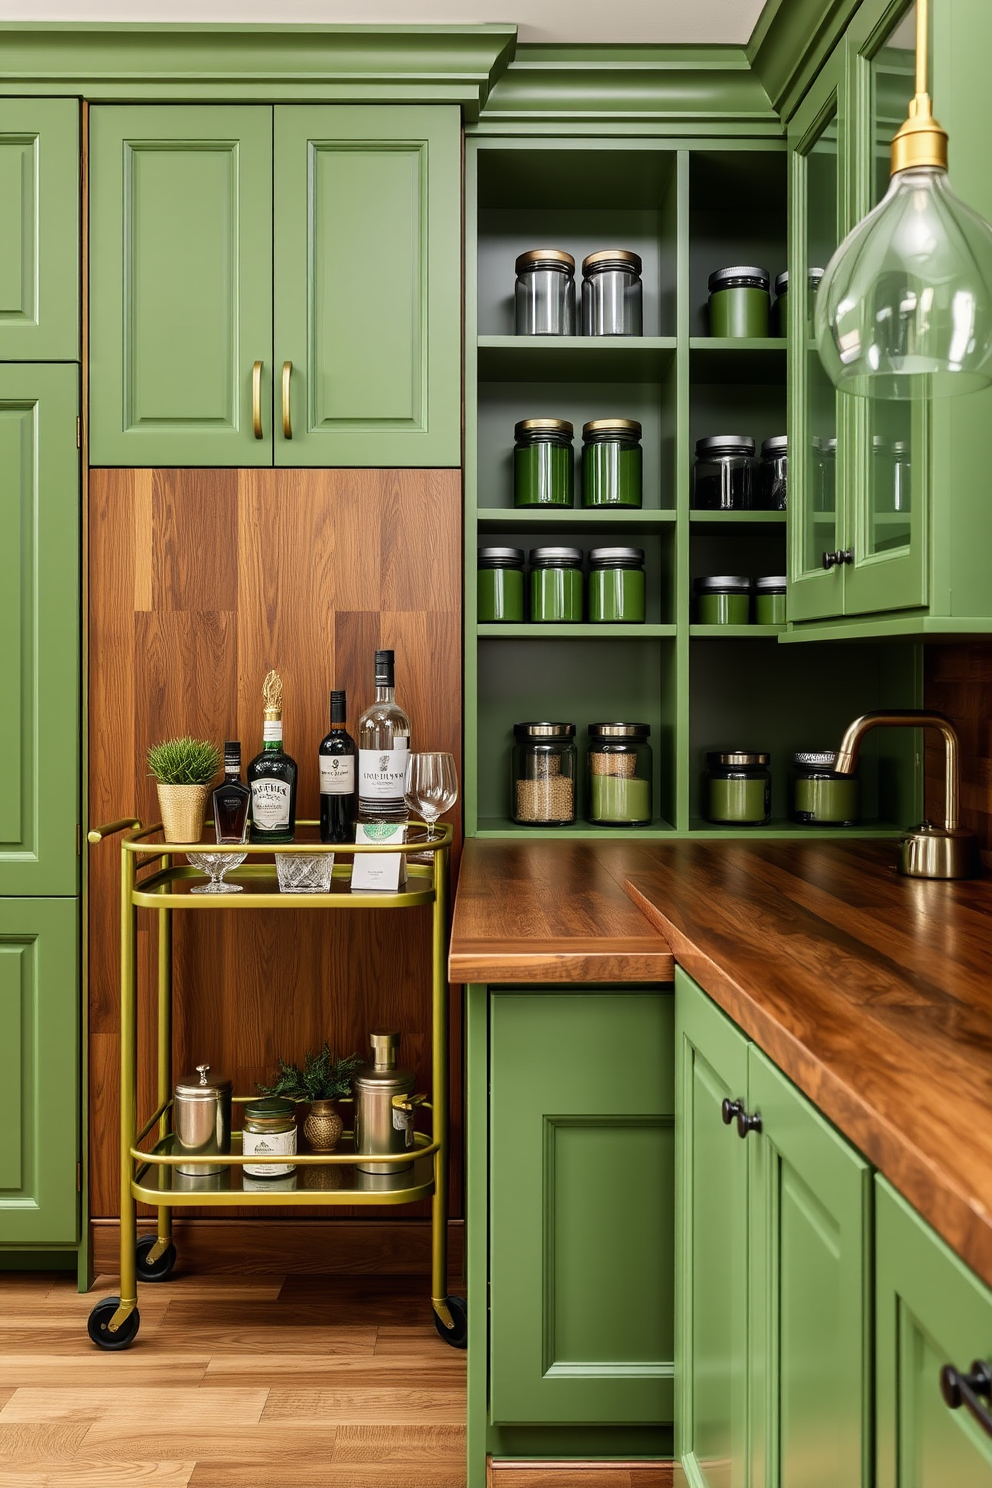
[543, 774]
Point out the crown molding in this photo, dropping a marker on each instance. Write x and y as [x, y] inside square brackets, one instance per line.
[790, 42]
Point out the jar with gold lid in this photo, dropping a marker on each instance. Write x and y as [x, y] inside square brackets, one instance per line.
[543, 463]
[620, 770]
[544, 299]
[612, 296]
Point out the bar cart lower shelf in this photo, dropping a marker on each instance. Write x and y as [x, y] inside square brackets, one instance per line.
[152, 880]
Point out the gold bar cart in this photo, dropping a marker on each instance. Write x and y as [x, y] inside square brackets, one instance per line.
[152, 879]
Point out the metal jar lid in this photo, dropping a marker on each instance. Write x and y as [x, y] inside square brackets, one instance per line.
[201, 1085]
[501, 557]
[724, 584]
[879, 444]
[739, 276]
[724, 444]
[270, 1108]
[776, 444]
[813, 277]
[616, 557]
[556, 557]
[900, 447]
[771, 584]
[546, 731]
[619, 731]
[611, 258]
[743, 758]
[545, 258]
[830, 446]
[553, 427]
[815, 759]
[603, 428]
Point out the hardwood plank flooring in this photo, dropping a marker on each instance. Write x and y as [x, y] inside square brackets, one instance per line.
[254, 1382]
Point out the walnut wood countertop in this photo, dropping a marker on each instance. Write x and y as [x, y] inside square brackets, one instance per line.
[872, 992]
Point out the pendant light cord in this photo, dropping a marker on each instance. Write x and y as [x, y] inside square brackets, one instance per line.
[922, 43]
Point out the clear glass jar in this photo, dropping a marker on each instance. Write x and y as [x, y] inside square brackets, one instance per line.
[544, 299]
[723, 475]
[773, 474]
[620, 771]
[739, 301]
[769, 599]
[901, 475]
[500, 586]
[738, 788]
[616, 586]
[612, 297]
[543, 774]
[543, 463]
[820, 797]
[269, 1129]
[556, 586]
[825, 496]
[723, 599]
[611, 463]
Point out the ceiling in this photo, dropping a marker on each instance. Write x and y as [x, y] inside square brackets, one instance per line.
[620, 21]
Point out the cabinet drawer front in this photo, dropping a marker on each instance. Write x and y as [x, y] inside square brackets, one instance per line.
[581, 1207]
[39, 1080]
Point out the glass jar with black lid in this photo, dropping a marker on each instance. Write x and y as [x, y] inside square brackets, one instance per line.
[611, 462]
[738, 790]
[543, 774]
[500, 586]
[617, 586]
[723, 475]
[543, 463]
[773, 474]
[544, 298]
[556, 586]
[612, 298]
[739, 301]
[620, 770]
[821, 797]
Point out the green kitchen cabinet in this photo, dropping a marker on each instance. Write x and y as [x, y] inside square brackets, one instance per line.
[581, 1196]
[39, 1072]
[39, 621]
[39, 230]
[930, 1311]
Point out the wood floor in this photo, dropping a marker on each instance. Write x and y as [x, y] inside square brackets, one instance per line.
[255, 1382]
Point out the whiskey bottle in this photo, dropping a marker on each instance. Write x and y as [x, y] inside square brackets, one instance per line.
[272, 774]
[232, 799]
[383, 746]
[338, 794]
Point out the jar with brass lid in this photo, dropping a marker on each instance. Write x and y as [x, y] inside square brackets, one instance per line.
[612, 296]
[543, 774]
[269, 1130]
[544, 299]
[543, 464]
[620, 769]
[611, 462]
[201, 1121]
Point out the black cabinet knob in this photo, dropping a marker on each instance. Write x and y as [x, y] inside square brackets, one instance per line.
[729, 1110]
[734, 1111]
[964, 1389]
[842, 555]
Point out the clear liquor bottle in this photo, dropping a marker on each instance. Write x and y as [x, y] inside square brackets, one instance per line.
[232, 799]
[272, 774]
[383, 747]
[338, 786]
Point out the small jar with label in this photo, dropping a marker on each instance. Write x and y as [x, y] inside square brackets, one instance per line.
[612, 299]
[821, 797]
[769, 599]
[544, 300]
[543, 774]
[738, 790]
[620, 770]
[556, 586]
[611, 463]
[616, 586]
[723, 475]
[773, 474]
[500, 586]
[543, 463]
[739, 301]
[270, 1131]
[723, 599]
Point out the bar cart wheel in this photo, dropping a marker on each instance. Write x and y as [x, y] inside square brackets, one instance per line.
[98, 1325]
[161, 1267]
[457, 1334]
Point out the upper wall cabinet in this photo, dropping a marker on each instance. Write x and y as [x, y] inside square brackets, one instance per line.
[357, 208]
[39, 230]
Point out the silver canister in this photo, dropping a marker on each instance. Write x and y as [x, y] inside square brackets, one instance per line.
[201, 1121]
[379, 1127]
[545, 293]
[612, 296]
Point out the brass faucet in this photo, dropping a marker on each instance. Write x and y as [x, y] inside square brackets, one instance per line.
[926, 851]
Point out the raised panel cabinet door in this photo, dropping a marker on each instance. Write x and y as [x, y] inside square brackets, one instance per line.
[930, 1311]
[711, 1212]
[582, 1207]
[367, 286]
[39, 623]
[39, 230]
[39, 1071]
[810, 1324]
[180, 285]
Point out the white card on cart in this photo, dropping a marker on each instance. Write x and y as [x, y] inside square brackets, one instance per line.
[379, 873]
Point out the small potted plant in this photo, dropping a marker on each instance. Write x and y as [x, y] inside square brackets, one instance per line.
[322, 1080]
[183, 770]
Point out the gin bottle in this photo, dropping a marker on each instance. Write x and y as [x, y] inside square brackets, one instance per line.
[272, 774]
[383, 746]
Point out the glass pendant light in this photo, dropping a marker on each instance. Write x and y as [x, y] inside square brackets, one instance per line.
[905, 306]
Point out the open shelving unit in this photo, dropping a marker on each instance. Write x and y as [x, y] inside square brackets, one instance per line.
[686, 209]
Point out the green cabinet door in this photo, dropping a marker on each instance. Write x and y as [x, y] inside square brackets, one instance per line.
[180, 285]
[582, 1152]
[711, 1413]
[930, 1310]
[810, 1380]
[39, 623]
[39, 230]
[367, 286]
[39, 1071]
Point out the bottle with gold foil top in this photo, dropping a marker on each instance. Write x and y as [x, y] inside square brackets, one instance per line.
[272, 774]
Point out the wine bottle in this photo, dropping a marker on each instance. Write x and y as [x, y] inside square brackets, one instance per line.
[272, 774]
[232, 799]
[338, 794]
[383, 746]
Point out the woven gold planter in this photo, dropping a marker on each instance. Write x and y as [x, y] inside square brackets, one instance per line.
[183, 808]
[323, 1126]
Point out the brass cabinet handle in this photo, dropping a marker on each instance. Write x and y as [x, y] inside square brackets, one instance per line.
[256, 399]
[287, 415]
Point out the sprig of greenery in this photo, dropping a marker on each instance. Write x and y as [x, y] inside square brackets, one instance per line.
[323, 1076]
[183, 761]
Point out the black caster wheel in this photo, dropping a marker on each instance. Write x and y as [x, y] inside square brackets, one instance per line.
[457, 1336]
[158, 1270]
[98, 1325]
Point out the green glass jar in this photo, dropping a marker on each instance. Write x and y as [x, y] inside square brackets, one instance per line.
[556, 586]
[724, 599]
[738, 788]
[821, 797]
[543, 463]
[739, 301]
[769, 600]
[500, 586]
[620, 770]
[611, 463]
[616, 586]
[780, 309]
